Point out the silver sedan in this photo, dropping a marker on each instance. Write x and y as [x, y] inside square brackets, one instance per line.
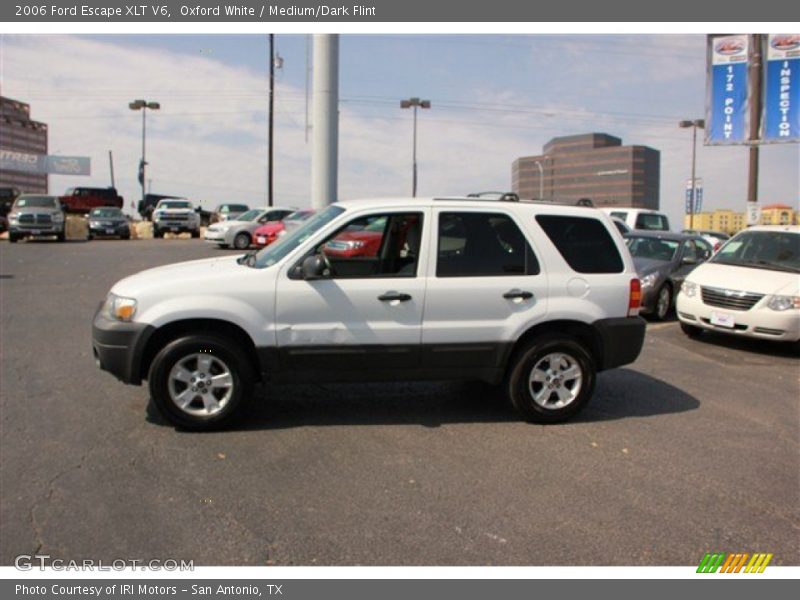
[239, 233]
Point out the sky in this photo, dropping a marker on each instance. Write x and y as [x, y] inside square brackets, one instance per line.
[494, 98]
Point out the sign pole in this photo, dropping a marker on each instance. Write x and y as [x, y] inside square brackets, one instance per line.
[756, 69]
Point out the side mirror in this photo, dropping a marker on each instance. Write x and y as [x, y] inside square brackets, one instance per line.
[314, 267]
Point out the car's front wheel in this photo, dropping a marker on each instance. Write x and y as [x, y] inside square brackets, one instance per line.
[551, 379]
[241, 241]
[200, 382]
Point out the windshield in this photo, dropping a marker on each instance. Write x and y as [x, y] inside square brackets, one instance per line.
[250, 215]
[233, 208]
[275, 252]
[106, 213]
[776, 250]
[300, 215]
[175, 204]
[36, 202]
[652, 248]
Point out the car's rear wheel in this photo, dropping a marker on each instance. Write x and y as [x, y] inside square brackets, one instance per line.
[241, 241]
[551, 379]
[663, 303]
[200, 382]
[691, 330]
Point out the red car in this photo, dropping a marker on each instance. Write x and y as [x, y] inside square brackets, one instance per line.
[267, 233]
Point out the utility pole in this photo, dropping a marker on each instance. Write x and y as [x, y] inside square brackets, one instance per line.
[271, 116]
[111, 167]
[325, 134]
[143, 105]
[755, 76]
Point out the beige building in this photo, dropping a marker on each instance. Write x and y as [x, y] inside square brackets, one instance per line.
[730, 222]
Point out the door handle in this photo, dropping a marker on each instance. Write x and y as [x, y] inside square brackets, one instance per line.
[394, 296]
[517, 293]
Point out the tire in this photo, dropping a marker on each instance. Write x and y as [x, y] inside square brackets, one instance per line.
[167, 388]
[196, 234]
[12, 238]
[691, 330]
[61, 237]
[125, 237]
[241, 241]
[663, 303]
[548, 356]
[157, 233]
[89, 237]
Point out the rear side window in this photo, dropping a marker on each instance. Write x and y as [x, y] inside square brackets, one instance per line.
[620, 215]
[482, 245]
[651, 221]
[583, 242]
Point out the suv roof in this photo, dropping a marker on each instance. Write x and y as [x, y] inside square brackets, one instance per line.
[472, 201]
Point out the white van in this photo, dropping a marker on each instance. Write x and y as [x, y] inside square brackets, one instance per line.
[640, 218]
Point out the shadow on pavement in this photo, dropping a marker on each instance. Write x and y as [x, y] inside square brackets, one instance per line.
[619, 394]
[752, 345]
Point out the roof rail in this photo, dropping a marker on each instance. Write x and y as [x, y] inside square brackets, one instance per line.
[499, 196]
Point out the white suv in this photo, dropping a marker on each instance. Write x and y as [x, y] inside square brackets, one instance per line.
[538, 297]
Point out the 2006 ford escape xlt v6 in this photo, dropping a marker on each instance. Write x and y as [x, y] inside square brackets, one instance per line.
[538, 297]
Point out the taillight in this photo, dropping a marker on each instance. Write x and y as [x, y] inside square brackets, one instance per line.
[635, 298]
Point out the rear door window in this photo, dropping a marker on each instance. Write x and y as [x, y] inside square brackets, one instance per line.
[652, 222]
[473, 244]
[583, 242]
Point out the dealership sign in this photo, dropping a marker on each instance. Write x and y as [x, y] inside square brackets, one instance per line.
[727, 103]
[44, 164]
[781, 120]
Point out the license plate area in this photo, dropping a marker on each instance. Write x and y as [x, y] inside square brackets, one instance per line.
[722, 320]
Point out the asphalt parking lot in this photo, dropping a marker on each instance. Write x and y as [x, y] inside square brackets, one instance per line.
[693, 448]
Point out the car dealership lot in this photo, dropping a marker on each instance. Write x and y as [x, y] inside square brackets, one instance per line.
[693, 448]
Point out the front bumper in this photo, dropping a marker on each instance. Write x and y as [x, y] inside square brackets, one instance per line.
[216, 237]
[621, 341]
[758, 322]
[119, 347]
[176, 226]
[120, 230]
[37, 230]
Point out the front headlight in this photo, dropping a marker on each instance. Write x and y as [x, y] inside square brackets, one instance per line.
[648, 280]
[689, 288]
[784, 302]
[58, 217]
[118, 308]
[13, 218]
[94, 224]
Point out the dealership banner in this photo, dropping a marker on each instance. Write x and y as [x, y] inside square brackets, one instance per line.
[694, 201]
[727, 101]
[781, 120]
[13, 160]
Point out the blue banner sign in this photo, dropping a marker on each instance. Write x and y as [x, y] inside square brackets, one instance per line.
[781, 121]
[727, 120]
[13, 160]
[698, 197]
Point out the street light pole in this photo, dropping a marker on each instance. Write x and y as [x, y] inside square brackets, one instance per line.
[693, 195]
[143, 105]
[271, 114]
[414, 103]
[541, 179]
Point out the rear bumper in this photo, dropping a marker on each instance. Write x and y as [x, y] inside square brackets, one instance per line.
[621, 341]
[118, 347]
